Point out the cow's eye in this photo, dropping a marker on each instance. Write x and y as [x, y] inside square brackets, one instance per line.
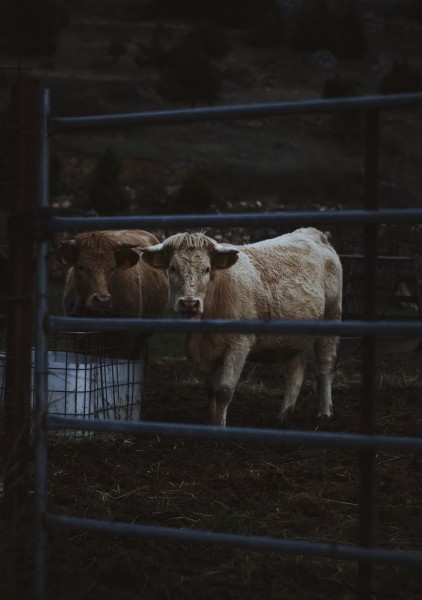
[172, 269]
[207, 270]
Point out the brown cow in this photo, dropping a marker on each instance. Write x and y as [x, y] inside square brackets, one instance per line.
[294, 276]
[107, 278]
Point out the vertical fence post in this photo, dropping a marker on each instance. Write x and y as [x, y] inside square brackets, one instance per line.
[41, 364]
[366, 457]
[25, 109]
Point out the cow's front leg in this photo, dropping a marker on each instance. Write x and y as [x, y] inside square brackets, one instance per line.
[218, 403]
[223, 397]
[294, 373]
[225, 380]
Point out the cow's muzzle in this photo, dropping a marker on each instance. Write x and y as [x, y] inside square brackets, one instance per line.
[99, 301]
[189, 307]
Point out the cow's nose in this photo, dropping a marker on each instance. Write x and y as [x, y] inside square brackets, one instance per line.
[188, 304]
[101, 299]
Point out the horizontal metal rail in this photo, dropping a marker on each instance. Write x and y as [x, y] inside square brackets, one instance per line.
[245, 542]
[355, 328]
[58, 124]
[290, 218]
[287, 437]
[380, 257]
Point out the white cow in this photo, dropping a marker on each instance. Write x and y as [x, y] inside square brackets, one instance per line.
[293, 276]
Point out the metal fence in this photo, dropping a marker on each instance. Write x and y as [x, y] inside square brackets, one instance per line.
[46, 223]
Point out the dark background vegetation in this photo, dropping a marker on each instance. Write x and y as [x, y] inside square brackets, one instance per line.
[122, 56]
[109, 56]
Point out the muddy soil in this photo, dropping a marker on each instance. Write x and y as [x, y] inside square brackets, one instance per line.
[278, 491]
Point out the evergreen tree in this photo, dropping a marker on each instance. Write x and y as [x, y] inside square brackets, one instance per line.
[339, 87]
[335, 27]
[402, 78]
[196, 195]
[188, 75]
[267, 30]
[105, 193]
[314, 26]
[350, 41]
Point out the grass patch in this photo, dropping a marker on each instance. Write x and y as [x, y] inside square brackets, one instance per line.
[166, 345]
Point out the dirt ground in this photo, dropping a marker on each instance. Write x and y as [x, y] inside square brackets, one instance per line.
[277, 491]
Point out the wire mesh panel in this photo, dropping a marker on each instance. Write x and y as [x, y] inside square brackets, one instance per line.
[90, 377]
[398, 287]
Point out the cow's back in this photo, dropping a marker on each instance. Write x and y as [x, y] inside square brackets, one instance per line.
[293, 276]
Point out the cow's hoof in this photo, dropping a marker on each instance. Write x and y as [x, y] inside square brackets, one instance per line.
[325, 415]
[284, 414]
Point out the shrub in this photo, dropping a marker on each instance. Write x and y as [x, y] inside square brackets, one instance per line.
[196, 195]
[155, 52]
[338, 28]
[401, 78]
[116, 49]
[211, 38]
[349, 37]
[105, 194]
[186, 69]
[267, 31]
[339, 87]
[188, 75]
[314, 26]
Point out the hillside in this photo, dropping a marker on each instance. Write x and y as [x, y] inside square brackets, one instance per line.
[302, 162]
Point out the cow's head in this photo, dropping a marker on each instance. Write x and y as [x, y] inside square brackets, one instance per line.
[191, 261]
[95, 261]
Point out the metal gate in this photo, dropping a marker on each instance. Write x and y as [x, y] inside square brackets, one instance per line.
[47, 223]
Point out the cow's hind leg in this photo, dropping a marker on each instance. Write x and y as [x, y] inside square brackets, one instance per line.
[325, 359]
[294, 370]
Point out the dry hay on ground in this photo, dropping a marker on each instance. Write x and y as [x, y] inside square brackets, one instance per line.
[240, 488]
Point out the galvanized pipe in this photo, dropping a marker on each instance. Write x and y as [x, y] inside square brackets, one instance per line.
[249, 543]
[315, 439]
[244, 111]
[301, 327]
[366, 455]
[41, 363]
[289, 218]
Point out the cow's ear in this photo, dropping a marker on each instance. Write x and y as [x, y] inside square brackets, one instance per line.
[126, 258]
[68, 253]
[223, 259]
[156, 257]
